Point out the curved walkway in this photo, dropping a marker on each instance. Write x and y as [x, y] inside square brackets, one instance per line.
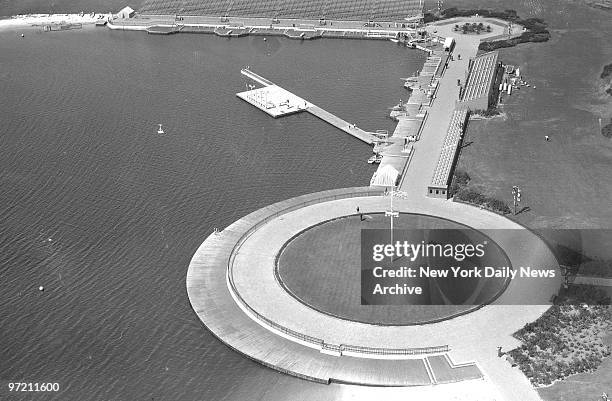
[232, 288]
[261, 235]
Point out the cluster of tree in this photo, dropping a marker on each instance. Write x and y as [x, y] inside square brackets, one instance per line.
[543, 373]
[460, 180]
[474, 197]
[472, 28]
[567, 339]
[459, 190]
[453, 12]
[536, 32]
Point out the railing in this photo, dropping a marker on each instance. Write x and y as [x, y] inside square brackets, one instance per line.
[319, 343]
[395, 351]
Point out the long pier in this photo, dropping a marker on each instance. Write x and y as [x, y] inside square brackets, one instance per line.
[339, 123]
[279, 102]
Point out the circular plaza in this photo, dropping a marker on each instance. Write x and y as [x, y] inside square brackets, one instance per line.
[320, 267]
[259, 290]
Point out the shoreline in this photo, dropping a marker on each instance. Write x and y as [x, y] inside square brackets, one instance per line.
[41, 20]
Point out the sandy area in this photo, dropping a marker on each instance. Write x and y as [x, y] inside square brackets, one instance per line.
[22, 21]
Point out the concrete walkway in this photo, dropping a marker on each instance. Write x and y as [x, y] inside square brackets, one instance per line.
[472, 337]
[418, 174]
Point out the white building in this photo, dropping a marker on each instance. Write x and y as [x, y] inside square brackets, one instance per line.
[126, 12]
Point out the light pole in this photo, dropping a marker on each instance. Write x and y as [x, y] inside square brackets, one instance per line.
[516, 197]
[391, 214]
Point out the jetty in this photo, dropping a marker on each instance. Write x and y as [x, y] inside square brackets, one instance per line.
[278, 102]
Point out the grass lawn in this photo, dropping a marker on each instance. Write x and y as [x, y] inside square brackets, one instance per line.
[566, 181]
[322, 268]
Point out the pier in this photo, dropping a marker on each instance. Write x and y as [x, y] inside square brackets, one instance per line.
[232, 268]
[339, 123]
[279, 102]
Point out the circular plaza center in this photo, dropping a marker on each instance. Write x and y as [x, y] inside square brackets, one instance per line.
[322, 268]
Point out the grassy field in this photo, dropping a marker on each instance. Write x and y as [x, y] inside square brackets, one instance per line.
[322, 268]
[566, 181]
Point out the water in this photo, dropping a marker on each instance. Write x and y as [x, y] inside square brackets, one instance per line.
[106, 214]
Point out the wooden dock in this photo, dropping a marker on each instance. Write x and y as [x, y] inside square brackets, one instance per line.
[280, 102]
[339, 123]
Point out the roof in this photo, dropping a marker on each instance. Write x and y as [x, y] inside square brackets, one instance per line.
[126, 9]
[386, 176]
[481, 75]
[442, 173]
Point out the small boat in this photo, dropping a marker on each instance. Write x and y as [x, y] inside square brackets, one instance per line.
[394, 40]
[160, 130]
[376, 159]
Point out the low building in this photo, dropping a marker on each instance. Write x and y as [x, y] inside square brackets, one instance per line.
[479, 92]
[126, 12]
[439, 186]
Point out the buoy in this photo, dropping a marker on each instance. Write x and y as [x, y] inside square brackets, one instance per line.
[41, 288]
[22, 35]
[265, 39]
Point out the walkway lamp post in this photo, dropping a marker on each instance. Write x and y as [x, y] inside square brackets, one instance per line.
[516, 197]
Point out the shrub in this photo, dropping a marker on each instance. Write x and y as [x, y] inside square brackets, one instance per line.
[607, 71]
[606, 130]
[509, 15]
[474, 197]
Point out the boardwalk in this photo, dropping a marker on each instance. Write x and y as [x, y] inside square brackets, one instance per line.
[339, 123]
[278, 96]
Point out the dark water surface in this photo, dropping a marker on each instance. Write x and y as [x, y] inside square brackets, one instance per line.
[106, 214]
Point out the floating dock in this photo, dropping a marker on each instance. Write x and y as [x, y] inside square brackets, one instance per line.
[278, 102]
[274, 100]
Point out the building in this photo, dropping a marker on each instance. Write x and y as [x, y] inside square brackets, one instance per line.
[443, 174]
[479, 91]
[126, 12]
